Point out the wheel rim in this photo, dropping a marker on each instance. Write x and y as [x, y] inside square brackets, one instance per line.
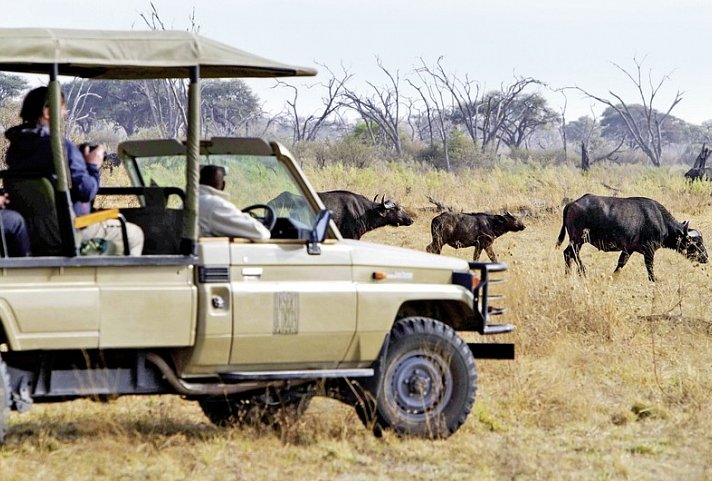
[420, 384]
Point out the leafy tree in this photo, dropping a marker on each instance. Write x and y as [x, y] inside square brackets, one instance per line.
[614, 127]
[582, 129]
[526, 114]
[11, 86]
[228, 106]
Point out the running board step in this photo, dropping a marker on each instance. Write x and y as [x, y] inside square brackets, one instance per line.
[306, 374]
[498, 329]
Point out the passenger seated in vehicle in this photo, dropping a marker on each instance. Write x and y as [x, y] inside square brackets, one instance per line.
[30, 151]
[13, 231]
[218, 216]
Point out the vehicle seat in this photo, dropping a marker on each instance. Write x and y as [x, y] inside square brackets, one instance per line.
[34, 196]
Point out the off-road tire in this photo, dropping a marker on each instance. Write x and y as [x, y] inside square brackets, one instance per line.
[269, 409]
[4, 399]
[428, 380]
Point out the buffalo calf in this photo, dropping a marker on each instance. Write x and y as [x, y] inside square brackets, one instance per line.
[474, 229]
[634, 224]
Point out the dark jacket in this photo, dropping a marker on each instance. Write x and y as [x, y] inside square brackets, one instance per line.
[30, 150]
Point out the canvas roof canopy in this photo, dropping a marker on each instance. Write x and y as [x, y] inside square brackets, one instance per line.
[107, 54]
[131, 55]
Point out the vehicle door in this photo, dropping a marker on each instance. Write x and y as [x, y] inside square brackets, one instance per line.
[291, 309]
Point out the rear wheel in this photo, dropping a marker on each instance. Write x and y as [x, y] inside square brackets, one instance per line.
[428, 380]
[270, 409]
[4, 399]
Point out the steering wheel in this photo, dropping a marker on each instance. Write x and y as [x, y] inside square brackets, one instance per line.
[269, 219]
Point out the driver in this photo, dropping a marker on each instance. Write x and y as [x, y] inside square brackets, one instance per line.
[218, 216]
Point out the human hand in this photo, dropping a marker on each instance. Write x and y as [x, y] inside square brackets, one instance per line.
[4, 200]
[94, 156]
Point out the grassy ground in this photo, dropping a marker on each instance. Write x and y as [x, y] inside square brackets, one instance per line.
[612, 378]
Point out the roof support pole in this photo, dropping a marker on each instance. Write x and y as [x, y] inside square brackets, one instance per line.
[192, 171]
[62, 195]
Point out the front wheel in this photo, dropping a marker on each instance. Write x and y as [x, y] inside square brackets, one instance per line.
[428, 380]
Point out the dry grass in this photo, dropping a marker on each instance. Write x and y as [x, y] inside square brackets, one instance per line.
[612, 378]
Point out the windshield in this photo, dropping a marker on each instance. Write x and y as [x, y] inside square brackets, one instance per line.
[250, 179]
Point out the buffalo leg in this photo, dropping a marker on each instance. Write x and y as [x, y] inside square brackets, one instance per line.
[476, 255]
[490, 253]
[622, 260]
[434, 247]
[572, 253]
[649, 256]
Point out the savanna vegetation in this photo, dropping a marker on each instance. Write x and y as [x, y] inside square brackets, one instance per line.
[613, 373]
[612, 377]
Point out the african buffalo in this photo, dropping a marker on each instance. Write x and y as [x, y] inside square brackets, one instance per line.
[471, 229]
[355, 215]
[633, 224]
[704, 173]
[699, 169]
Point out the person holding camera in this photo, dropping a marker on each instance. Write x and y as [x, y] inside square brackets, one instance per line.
[30, 150]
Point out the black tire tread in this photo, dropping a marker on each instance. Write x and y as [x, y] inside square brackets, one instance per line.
[432, 328]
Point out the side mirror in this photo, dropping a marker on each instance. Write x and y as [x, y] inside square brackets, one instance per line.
[318, 232]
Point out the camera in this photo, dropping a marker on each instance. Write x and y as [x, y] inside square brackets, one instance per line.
[91, 146]
[111, 159]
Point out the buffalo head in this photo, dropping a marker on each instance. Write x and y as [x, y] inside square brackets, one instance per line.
[512, 223]
[392, 213]
[690, 244]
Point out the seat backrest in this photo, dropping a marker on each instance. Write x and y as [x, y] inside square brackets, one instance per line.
[33, 196]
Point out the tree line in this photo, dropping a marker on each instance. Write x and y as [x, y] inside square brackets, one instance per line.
[429, 113]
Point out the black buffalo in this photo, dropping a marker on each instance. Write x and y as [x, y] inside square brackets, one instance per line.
[699, 169]
[355, 214]
[704, 173]
[634, 224]
[476, 229]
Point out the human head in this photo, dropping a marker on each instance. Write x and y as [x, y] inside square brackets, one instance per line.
[34, 105]
[213, 175]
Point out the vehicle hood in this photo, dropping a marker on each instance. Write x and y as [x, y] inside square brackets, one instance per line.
[371, 254]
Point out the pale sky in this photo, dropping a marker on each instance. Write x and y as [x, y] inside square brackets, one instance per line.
[561, 42]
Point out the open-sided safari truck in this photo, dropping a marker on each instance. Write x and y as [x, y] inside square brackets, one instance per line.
[247, 329]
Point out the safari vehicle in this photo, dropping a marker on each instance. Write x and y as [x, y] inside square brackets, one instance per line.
[247, 329]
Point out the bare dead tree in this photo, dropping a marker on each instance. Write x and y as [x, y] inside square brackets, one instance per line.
[306, 128]
[645, 131]
[562, 123]
[77, 96]
[465, 95]
[412, 118]
[701, 160]
[431, 93]
[381, 109]
[167, 98]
